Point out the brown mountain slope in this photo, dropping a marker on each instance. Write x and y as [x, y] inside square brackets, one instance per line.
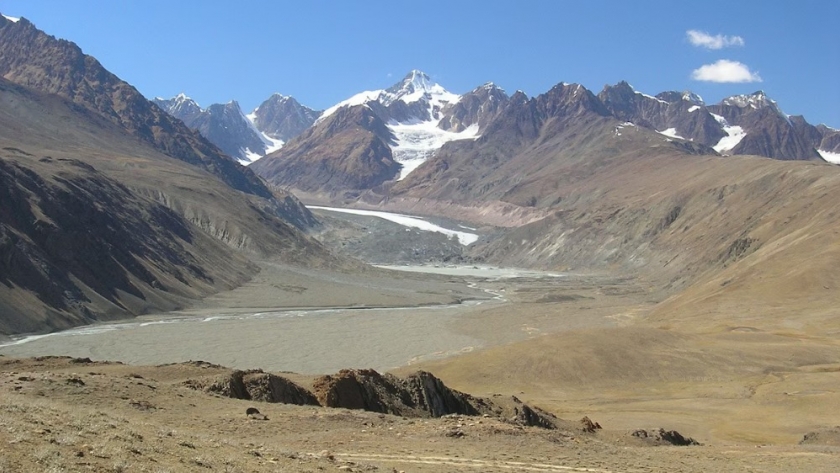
[532, 151]
[346, 151]
[36, 60]
[97, 224]
[607, 195]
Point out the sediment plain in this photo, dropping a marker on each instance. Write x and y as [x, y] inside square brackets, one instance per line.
[574, 344]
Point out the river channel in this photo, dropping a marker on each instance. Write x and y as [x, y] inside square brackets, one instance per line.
[298, 340]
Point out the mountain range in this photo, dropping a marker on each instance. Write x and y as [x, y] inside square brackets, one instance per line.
[246, 138]
[407, 123]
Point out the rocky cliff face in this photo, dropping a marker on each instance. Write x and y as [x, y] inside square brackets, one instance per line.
[283, 118]
[745, 124]
[256, 385]
[420, 394]
[684, 113]
[477, 107]
[768, 131]
[224, 125]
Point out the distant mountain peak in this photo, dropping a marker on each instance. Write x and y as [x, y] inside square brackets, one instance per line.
[414, 81]
[757, 99]
[689, 96]
[624, 85]
[415, 86]
[180, 106]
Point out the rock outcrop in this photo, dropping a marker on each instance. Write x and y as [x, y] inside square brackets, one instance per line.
[256, 385]
[419, 395]
[664, 437]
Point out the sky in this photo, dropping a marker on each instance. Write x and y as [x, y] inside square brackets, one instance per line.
[322, 52]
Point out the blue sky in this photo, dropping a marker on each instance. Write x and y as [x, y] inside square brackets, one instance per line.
[322, 52]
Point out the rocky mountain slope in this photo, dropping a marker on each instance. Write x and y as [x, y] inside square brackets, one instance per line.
[245, 137]
[36, 60]
[283, 118]
[423, 116]
[347, 150]
[738, 125]
[223, 125]
[111, 208]
[413, 119]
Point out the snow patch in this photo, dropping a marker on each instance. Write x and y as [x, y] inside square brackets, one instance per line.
[670, 132]
[693, 108]
[833, 158]
[464, 238]
[692, 97]
[271, 144]
[414, 87]
[249, 158]
[12, 18]
[650, 97]
[358, 99]
[734, 136]
[618, 128]
[417, 142]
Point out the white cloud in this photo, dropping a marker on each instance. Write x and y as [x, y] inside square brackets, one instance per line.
[705, 40]
[725, 71]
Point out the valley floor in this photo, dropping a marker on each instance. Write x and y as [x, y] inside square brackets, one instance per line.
[574, 344]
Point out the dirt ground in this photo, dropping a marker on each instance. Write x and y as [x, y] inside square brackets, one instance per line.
[72, 415]
[758, 392]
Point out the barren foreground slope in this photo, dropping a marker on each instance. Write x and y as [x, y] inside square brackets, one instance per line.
[74, 415]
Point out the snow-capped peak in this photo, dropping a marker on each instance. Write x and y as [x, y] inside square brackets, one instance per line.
[413, 82]
[182, 97]
[179, 105]
[693, 98]
[415, 86]
[12, 18]
[490, 88]
[755, 100]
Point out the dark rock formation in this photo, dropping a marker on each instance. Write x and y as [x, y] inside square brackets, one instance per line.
[420, 394]
[256, 385]
[283, 118]
[224, 125]
[664, 437]
[682, 111]
[477, 107]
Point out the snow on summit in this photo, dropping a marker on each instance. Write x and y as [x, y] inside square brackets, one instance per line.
[416, 86]
[417, 138]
